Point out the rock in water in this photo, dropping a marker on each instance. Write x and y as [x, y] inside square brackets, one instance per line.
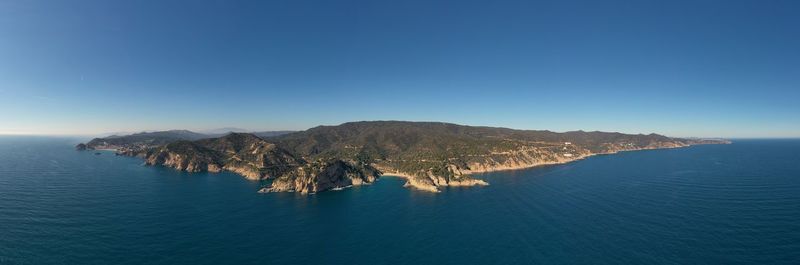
[322, 176]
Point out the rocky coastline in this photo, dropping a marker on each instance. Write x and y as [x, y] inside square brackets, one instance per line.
[300, 162]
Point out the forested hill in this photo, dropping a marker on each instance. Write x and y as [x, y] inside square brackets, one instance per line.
[150, 139]
[430, 155]
[387, 139]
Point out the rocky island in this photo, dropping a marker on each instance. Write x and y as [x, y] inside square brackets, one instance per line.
[429, 155]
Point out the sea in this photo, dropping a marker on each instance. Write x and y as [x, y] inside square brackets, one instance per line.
[707, 204]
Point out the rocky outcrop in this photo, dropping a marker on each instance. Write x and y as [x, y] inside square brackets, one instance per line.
[429, 181]
[322, 176]
[248, 172]
[183, 156]
[436, 183]
[459, 175]
[612, 148]
[421, 183]
[431, 156]
[257, 159]
[243, 154]
[80, 147]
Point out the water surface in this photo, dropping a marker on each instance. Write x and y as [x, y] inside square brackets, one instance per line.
[715, 204]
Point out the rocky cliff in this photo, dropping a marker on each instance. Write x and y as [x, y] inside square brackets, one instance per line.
[431, 156]
[244, 154]
[321, 176]
[256, 159]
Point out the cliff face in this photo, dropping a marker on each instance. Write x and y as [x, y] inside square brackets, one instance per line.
[257, 159]
[433, 183]
[244, 154]
[193, 162]
[430, 156]
[457, 171]
[321, 176]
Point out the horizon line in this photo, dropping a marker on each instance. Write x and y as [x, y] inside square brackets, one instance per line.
[207, 131]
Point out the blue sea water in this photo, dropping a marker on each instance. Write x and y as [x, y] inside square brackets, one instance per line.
[713, 204]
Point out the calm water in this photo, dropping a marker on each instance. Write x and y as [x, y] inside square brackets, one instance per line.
[719, 204]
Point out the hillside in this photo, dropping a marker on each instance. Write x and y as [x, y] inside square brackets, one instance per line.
[256, 159]
[152, 139]
[430, 155]
[143, 139]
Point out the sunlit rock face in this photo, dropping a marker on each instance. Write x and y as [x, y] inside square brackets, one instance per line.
[429, 155]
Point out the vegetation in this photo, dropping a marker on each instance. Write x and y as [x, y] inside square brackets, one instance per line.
[414, 147]
[151, 139]
[433, 152]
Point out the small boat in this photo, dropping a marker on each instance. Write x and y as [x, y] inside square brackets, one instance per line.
[98, 153]
[341, 188]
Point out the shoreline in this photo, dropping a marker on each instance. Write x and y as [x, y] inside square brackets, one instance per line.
[433, 183]
[552, 163]
[104, 149]
[574, 159]
[433, 188]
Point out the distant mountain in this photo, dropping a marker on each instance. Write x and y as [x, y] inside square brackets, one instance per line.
[429, 155]
[270, 134]
[107, 134]
[226, 131]
[151, 139]
[143, 139]
[223, 131]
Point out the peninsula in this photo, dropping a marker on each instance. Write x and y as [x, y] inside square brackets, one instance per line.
[429, 155]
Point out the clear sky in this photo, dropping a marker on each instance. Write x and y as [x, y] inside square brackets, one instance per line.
[680, 68]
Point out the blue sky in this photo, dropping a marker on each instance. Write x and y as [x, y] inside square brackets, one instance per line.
[680, 68]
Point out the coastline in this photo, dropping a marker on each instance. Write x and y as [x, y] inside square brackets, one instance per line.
[425, 186]
[456, 174]
[106, 149]
[560, 162]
